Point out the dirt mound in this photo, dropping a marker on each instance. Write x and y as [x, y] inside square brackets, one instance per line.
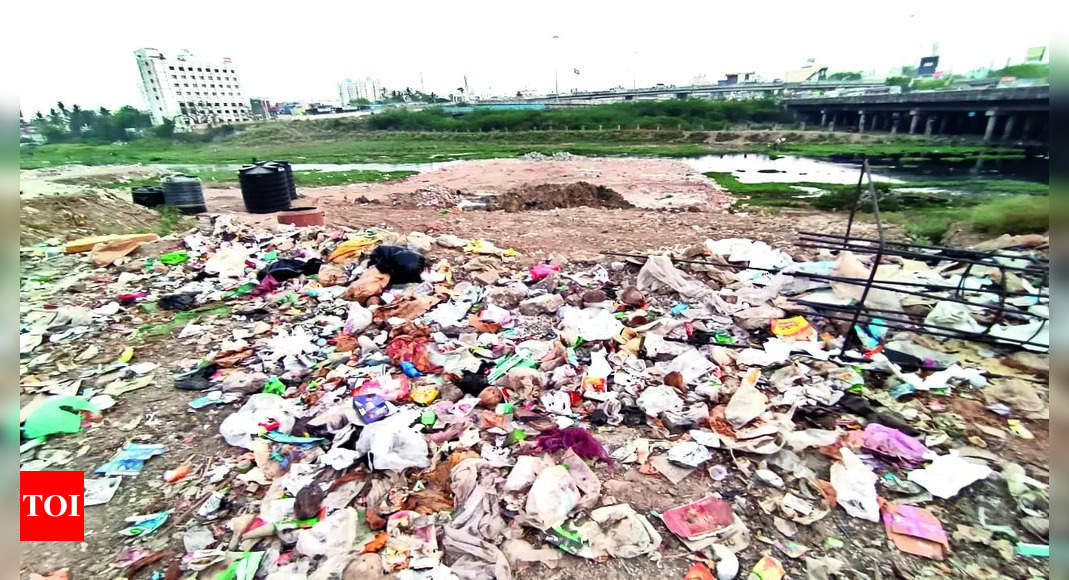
[554, 195]
[74, 216]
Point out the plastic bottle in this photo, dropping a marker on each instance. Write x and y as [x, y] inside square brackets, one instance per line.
[596, 372]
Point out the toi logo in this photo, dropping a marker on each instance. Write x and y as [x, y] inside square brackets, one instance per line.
[51, 506]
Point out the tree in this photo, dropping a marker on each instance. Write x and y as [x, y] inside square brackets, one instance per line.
[844, 76]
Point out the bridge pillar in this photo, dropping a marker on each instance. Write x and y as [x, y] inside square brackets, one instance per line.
[895, 119]
[942, 126]
[1026, 130]
[861, 121]
[914, 121]
[823, 118]
[831, 125]
[1007, 131]
[992, 120]
[929, 124]
[875, 122]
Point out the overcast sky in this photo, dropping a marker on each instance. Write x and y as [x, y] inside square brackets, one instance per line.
[83, 52]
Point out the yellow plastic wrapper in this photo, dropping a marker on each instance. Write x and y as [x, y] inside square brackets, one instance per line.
[793, 328]
[350, 251]
[423, 394]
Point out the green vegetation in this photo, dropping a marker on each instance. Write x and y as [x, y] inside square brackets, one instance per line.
[1020, 214]
[63, 125]
[991, 206]
[171, 220]
[318, 144]
[845, 76]
[303, 178]
[674, 114]
[1023, 71]
[911, 148]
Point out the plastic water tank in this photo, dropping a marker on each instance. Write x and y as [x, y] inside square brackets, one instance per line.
[148, 196]
[289, 178]
[264, 188]
[184, 191]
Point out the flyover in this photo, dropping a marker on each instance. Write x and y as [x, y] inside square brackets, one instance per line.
[998, 113]
[736, 90]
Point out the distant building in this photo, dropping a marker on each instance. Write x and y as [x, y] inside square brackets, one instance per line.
[736, 78]
[350, 90]
[190, 90]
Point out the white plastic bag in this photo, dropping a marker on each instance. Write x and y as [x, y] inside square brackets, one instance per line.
[590, 324]
[392, 445]
[359, 318]
[855, 487]
[228, 262]
[658, 399]
[241, 428]
[948, 474]
[552, 497]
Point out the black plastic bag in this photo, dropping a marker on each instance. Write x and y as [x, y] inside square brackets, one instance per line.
[184, 301]
[404, 266]
[283, 270]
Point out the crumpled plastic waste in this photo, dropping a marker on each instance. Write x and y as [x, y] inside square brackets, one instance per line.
[947, 474]
[855, 486]
[55, 415]
[916, 531]
[658, 272]
[282, 270]
[893, 443]
[402, 265]
[243, 427]
[616, 531]
[392, 445]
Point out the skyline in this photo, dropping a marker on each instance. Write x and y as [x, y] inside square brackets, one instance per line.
[283, 54]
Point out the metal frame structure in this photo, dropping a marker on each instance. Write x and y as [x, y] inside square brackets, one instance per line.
[966, 260]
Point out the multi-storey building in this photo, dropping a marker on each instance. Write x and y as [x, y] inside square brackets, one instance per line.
[190, 90]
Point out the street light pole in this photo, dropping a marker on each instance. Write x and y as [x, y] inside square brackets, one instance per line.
[556, 67]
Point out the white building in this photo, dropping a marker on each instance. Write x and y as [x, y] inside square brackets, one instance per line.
[190, 90]
[350, 90]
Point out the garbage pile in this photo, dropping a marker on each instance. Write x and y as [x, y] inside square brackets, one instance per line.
[427, 407]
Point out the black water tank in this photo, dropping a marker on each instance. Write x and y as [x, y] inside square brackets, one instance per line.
[148, 196]
[264, 188]
[184, 191]
[289, 178]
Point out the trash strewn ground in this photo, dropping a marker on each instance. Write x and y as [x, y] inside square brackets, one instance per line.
[267, 401]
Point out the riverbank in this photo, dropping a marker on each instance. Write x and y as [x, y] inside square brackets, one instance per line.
[305, 143]
[927, 210]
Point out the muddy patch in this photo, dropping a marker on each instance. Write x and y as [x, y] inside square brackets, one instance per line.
[557, 195]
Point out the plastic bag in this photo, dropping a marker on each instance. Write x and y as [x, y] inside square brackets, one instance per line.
[552, 497]
[659, 272]
[392, 445]
[658, 399]
[589, 324]
[241, 429]
[855, 487]
[359, 318]
[403, 265]
[228, 262]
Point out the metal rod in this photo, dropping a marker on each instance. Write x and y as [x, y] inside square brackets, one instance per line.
[826, 277]
[976, 338]
[875, 261]
[908, 254]
[923, 246]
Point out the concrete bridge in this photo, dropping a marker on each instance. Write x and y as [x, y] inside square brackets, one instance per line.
[745, 90]
[1003, 114]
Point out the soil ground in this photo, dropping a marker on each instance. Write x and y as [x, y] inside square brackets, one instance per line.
[156, 414]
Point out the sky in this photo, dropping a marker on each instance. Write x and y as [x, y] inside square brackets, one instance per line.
[298, 51]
